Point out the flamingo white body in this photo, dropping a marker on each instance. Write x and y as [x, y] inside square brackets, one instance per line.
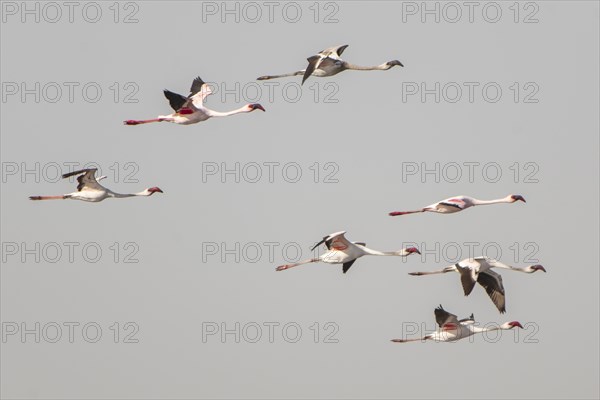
[479, 270]
[452, 329]
[328, 62]
[342, 251]
[88, 189]
[191, 110]
[455, 204]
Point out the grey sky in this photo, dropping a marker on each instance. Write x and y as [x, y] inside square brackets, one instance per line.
[375, 131]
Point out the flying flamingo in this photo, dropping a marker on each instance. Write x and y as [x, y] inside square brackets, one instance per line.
[190, 110]
[453, 329]
[90, 190]
[459, 203]
[479, 269]
[328, 63]
[341, 251]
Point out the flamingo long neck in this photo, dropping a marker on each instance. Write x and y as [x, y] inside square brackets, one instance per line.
[124, 195]
[526, 270]
[486, 202]
[381, 253]
[381, 67]
[240, 110]
[498, 264]
[477, 329]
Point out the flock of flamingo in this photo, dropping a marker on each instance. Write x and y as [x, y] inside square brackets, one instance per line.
[190, 110]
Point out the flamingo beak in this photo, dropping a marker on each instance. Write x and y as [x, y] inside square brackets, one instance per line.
[518, 197]
[516, 324]
[539, 268]
[257, 107]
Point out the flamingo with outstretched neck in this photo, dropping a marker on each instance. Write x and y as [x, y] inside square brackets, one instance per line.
[190, 110]
[452, 329]
[459, 203]
[479, 270]
[88, 189]
[328, 62]
[342, 251]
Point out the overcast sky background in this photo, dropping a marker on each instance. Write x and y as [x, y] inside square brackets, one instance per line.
[369, 135]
